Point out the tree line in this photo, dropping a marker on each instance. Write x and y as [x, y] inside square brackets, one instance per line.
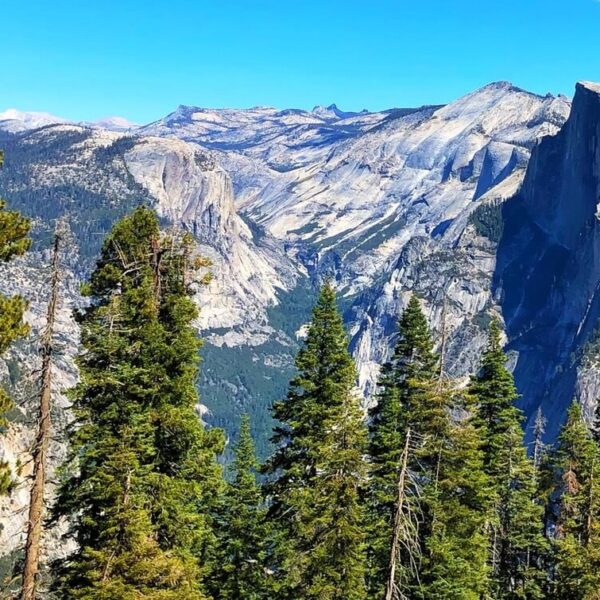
[432, 495]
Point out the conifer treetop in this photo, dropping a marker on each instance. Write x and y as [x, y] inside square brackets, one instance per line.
[415, 346]
[319, 468]
[142, 477]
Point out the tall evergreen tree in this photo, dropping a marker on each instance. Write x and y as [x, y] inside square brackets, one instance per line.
[446, 449]
[14, 229]
[521, 548]
[455, 555]
[318, 468]
[448, 464]
[143, 473]
[577, 555]
[495, 391]
[516, 539]
[412, 364]
[243, 530]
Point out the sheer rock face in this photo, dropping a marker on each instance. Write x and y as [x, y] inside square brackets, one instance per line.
[548, 268]
[192, 191]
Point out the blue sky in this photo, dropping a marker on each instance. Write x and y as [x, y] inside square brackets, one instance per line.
[86, 59]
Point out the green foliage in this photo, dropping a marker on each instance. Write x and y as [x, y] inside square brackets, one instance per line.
[293, 308]
[232, 384]
[93, 197]
[247, 379]
[14, 241]
[142, 477]
[488, 221]
[577, 544]
[242, 530]
[14, 229]
[456, 505]
[149, 510]
[318, 469]
[448, 487]
[10, 567]
[411, 367]
[386, 435]
[11, 321]
[521, 547]
[6, 480]
[495, 393]
[516, 541]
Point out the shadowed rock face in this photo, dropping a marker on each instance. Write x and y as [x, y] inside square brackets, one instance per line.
[547, 275]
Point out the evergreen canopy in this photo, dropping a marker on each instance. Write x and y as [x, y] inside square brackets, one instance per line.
[143, 477]
[318, 469]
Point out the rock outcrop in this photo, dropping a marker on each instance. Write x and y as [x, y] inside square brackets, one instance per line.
[547, 278]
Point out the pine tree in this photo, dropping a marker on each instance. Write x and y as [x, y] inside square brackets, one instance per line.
[543, 459]
[521, 545]
[14, 229]
[413, 362]
[495, 391]
[243, 530]
[318, 468]
[577, 552]
[455, 562]
[450, 541]
[142, 475]
[516, 540]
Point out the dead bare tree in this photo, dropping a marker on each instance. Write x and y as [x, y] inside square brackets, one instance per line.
[539, 428]
[40, 451]
[405, 533]
[443, 341]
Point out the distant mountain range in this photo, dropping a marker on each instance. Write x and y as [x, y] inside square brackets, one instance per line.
[428, 200]
[16, 120]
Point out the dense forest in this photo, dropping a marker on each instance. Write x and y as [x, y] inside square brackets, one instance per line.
[430, 494]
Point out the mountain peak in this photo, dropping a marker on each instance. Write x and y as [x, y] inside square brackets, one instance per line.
[321, 109]
[501, 84]
[505, 86]
[16, 120]
[114, 123]
[589, 85]
[333, 112]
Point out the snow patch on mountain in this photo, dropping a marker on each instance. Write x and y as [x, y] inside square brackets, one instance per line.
[15, 120]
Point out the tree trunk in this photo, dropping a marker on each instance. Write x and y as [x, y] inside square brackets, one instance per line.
[391, 588]
[36, 506]
[443, 341]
